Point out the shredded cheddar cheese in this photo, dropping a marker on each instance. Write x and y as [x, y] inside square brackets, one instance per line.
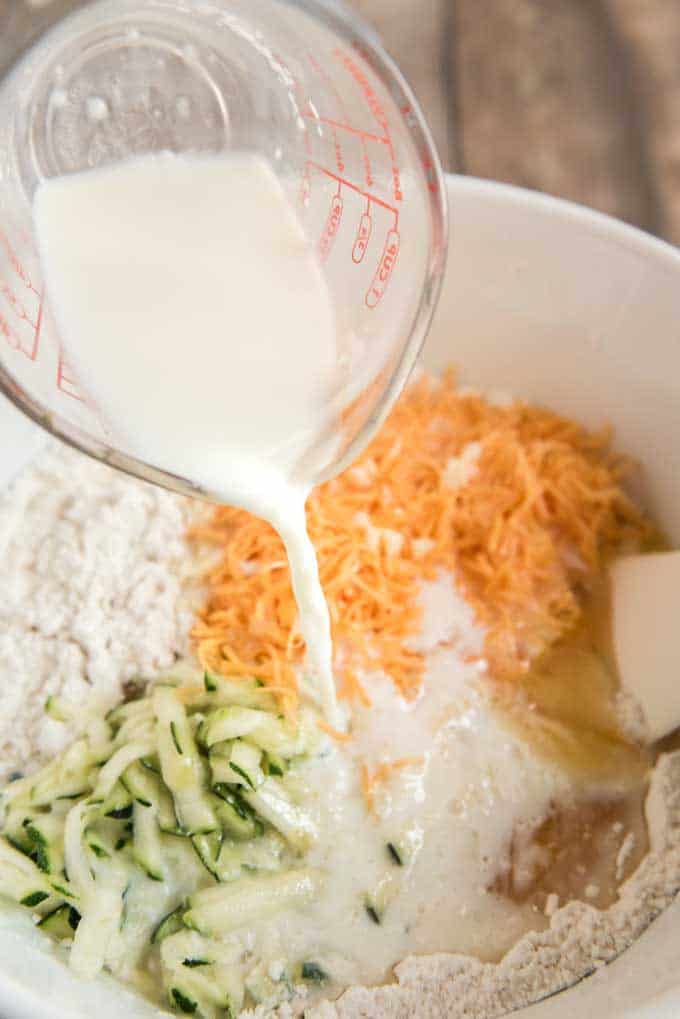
[341, 737]
[520, 504]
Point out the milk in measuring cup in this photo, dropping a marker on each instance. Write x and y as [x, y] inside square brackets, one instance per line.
[197, 316]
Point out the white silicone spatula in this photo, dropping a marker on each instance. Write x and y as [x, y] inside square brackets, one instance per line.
[646, 630]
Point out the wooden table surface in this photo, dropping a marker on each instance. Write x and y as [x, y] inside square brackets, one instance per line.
[578, 98]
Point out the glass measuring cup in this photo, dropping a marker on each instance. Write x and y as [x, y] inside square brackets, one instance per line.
[300, 82]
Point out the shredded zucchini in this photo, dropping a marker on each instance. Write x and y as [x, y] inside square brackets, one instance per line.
[230, 723]
[61, 923]
[116, 766]
[147, 849]
[182, 769]
[166, 826]
[312, 973]
[272, 803]
[147, 788]
[57, 710]
[21, 880]
[170, 924]
[118, 804]
[219, 910]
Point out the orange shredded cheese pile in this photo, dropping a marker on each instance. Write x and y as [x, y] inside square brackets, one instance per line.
[524, 529]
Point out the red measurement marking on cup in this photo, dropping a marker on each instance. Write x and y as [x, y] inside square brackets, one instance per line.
[339, 158]
[363, 237]
[313, 114]
[66, 382]
[344, 183]
[389, 255]
[338, 125]
[19, 327]
[16, 305]
[26, 345]
[377, 289]
[8, 335]
[370, 95]
[36, 340]
[342, 121]
[377, 111]
[331, 228]
[13, 260]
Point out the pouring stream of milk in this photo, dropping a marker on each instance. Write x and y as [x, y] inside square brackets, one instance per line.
[196, 315]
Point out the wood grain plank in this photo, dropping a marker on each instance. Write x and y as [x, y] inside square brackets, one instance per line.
[414, 34]
[20, 23]
[547, 100]
[9, 10]
[651, 31]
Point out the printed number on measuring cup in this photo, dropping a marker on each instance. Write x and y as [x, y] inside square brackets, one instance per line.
[384, 271]
[362, 239]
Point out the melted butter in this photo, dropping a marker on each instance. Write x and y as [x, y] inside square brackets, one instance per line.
[565, 708]
[584, 851]
[565, 711]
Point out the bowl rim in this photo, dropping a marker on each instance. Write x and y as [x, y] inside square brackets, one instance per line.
[626, 234]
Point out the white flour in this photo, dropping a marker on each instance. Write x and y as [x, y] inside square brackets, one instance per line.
[89, 593]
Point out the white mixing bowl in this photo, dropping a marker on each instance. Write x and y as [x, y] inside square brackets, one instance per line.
[549, 301]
